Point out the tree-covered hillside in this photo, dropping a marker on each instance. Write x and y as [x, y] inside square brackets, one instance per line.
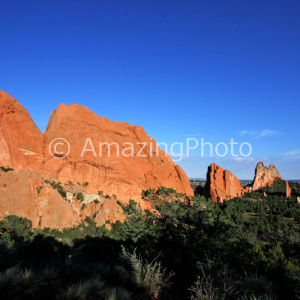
[186, 248]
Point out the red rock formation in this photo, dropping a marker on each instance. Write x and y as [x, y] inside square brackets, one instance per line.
[25, 194]
[125, 172]
[109, 171]
[20, 139]
[265, 176]
[108, 210]
[288, 189]
[221, 185]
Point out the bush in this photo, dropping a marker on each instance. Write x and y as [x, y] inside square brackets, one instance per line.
[89, 289]
[6, 169]
[16, 226]
[117, 293]
[62, 192]
[79, 196]
[149, 276]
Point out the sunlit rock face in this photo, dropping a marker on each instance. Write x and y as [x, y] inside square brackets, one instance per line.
[221, 184]
[265, 176]
[21, 141]
[131, 163]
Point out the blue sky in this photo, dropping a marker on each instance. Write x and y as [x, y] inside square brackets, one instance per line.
[204, 69]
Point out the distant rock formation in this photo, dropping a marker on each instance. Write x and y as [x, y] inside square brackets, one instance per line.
[265, 177]
[221, 184]
[24, 147]
[288, 189]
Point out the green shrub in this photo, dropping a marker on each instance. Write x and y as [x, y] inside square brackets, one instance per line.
[38, 189]
[150, 276]
[62, 192]
[6, 169]
[79, 196]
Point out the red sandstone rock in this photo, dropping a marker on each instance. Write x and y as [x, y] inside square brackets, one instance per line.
[108, 210]
[24, 147]
[221, 185]
[265, 176]
[109, 171]
[20, 138]
[25, 194]
[288, 189]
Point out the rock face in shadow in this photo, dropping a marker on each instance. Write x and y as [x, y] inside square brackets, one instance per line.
[265, 177]
[112, 157]
[221, 184]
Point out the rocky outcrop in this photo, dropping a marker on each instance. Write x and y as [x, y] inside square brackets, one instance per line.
[265, 177]
[106, 211]
[26, 194]
[116, 158]
[288, 189]
[113, 158]
[20, 139]
[221, 184]
[89, 198]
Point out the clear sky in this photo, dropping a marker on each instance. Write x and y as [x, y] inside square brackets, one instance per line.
[201, 69]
